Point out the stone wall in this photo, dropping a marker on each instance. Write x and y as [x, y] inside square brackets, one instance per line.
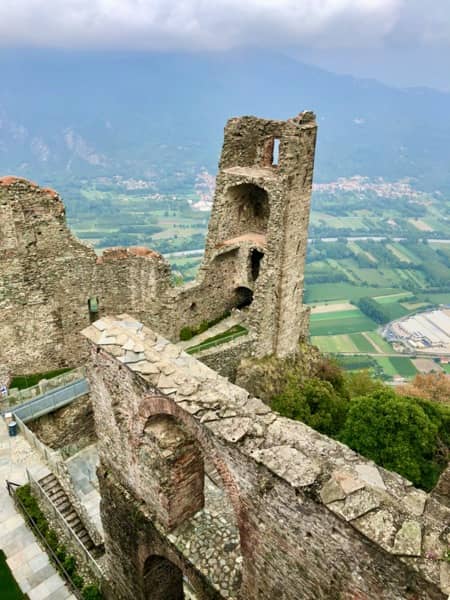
[255, 255]
[69, 429]
[315, 519]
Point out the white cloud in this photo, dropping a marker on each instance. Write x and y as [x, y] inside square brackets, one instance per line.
[222, 24]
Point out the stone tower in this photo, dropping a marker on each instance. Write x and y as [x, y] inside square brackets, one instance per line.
[261, 212]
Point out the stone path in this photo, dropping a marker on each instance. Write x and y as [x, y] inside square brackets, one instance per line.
[26, 559]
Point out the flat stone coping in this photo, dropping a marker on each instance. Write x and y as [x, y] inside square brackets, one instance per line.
[383, 506]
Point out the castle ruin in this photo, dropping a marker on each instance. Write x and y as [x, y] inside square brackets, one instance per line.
[52, 285]
[205, 492]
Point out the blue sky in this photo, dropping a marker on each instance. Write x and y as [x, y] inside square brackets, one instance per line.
[403, 42]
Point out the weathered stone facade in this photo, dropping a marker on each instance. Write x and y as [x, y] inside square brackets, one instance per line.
[67, 429]
[51, 285]
[313, 519]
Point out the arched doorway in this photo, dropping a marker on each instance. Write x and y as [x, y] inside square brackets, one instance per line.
[172, 470]
[251, 204]
[162, 579]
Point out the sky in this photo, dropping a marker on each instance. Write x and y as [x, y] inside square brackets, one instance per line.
[400, 42]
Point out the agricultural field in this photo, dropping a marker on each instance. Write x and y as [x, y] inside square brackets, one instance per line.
[349, 321]
[368, 239]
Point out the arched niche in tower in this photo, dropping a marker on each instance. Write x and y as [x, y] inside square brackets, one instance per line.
[162, 579]
[250, 205]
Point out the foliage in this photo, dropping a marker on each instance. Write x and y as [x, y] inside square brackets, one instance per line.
[361, 383]
[432, 386]
[22, 382]
[408, 435]
[397, 433]
[226, 336]
[187, 332]
[315, 402]
[8, 586]
[373, 310]
[35, 516]
[91, 592]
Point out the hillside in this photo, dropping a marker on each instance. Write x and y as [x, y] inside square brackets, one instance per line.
[160, 116]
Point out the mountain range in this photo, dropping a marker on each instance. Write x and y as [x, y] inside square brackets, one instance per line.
[66, 114]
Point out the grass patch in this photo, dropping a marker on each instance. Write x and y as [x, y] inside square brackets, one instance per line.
[319, 292]
[392, 297]
[380, 342]
[340, 323]
[8, 585]
[226, 336]
[446, 368]
[361, 343]
[403, 366]
[21, 382]
[334, 343]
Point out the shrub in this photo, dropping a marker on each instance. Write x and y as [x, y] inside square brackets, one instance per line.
[315, 402]
[186, 334]
[78, 581]
[92, 592]
[395, 432]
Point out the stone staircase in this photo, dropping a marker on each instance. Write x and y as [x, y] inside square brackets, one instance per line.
[59, 498]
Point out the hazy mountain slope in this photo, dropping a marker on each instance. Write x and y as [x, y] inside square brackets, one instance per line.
[73, 113]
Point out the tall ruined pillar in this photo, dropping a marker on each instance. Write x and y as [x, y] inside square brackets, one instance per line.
[262, 206]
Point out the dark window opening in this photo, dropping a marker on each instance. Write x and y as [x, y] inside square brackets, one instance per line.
[243, 297]
[256, 258]
[193, 306]
[162, 579]
[93, 308]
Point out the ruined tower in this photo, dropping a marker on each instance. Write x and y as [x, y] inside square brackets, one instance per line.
[261, 213]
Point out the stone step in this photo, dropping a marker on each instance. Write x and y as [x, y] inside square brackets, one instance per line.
[62, 502]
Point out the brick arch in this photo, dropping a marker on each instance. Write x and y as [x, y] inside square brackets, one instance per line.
[152, 406]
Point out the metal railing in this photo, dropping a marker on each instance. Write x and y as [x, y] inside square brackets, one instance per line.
[58, 466]
[30, 521]
[59, 517]
[52, 400]
[17, 396]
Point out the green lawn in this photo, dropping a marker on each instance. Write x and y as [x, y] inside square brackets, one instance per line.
[340, 322]
[25, 381]
[334, 343]
[380, 342]
[220, 338]
[397, 365]
[319, 292]
[446, 368]
[403, 366]
[392, 297]
[362, 343]
[9, 590]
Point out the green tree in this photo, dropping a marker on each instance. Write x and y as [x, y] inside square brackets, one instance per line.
[313, 401]
[395, 432]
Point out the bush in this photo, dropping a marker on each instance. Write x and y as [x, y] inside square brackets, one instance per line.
[78, 581]
[315, 402]
[92, 592]
[186, 334]
[395, 432]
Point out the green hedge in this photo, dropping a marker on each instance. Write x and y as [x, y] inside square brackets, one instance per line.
[34, 516]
